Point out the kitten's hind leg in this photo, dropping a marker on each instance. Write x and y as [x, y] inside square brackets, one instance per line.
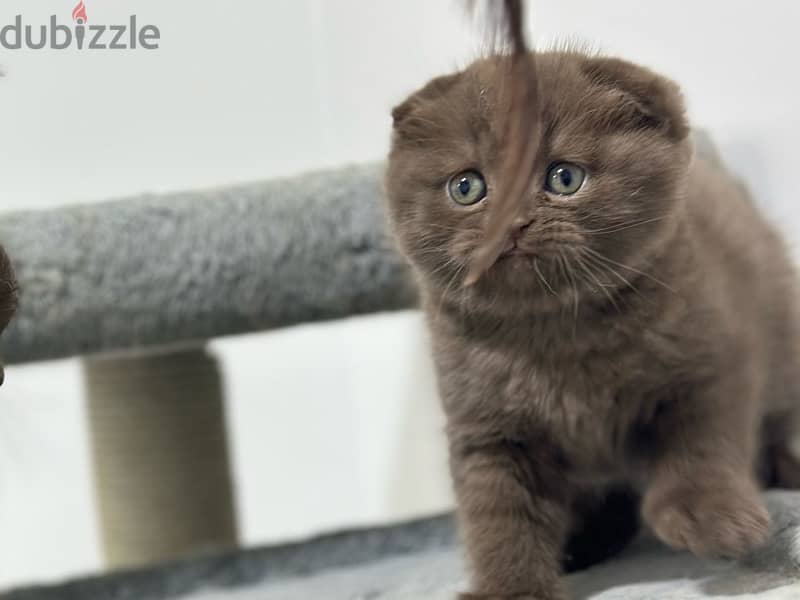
[604, 524]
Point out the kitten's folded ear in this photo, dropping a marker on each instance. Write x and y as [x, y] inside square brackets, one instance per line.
[407, 118]
[646, 100]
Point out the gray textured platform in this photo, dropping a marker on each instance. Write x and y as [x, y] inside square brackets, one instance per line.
[421, 561]
[165, 269]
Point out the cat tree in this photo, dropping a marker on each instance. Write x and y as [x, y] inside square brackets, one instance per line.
[136, 286]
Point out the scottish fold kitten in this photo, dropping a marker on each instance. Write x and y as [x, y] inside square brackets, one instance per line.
[637, 328]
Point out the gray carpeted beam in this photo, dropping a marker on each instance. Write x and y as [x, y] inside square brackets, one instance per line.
[240, 569]
[158, 270]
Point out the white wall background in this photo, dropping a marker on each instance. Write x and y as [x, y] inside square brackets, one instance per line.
[246, 89]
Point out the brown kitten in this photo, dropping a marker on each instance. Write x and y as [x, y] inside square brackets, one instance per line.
[640, 327]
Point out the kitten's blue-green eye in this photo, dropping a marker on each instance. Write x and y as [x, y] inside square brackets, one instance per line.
[468, 187]
[565, 178]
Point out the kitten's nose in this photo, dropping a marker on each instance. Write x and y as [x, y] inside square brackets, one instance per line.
[519, 226]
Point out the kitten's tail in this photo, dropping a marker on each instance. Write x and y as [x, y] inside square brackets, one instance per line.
[507, 20]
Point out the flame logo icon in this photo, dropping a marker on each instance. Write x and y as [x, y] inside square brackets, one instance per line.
[79, 13]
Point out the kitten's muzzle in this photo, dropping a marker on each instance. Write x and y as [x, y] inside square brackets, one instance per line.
[517, 232]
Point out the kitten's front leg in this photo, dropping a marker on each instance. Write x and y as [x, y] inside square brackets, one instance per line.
[703, 496]
[513, 507]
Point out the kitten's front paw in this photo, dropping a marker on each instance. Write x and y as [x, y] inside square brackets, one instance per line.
[726, 520]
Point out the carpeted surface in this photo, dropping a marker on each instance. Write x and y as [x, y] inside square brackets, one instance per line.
[421, 561]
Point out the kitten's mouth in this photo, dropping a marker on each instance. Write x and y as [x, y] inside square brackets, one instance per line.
[515, 251]
[520, 256]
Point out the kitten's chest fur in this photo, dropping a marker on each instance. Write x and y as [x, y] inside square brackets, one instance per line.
[596, 392]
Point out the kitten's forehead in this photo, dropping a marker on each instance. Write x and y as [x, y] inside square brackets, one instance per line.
[468, 103]
[582, 99]
[567, 94]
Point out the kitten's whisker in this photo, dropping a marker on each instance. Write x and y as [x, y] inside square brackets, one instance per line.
[444, 227]
[606, 270]
[429, 249]
[597, 282]
[446, 265]
[456, 273]
[564, 262]
[617, 228]
[435, 253]
[542, 278]
[609, 269]
[632, 269]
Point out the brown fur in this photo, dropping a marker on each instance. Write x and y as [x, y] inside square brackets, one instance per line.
[643, 332]
[8, 295]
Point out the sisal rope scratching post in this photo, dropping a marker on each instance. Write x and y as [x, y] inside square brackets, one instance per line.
[160, 454]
